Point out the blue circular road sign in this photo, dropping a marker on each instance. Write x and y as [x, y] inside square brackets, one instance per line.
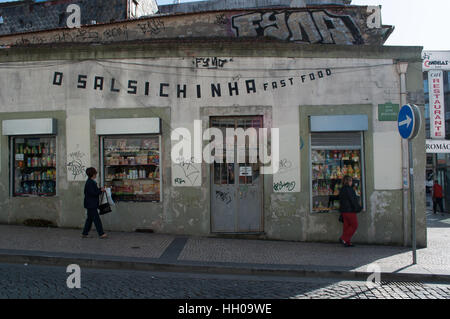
[408, 121]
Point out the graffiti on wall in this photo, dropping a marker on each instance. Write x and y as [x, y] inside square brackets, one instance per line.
[221, 19]
[328, 25]
[301, 26]
[224, 197]
[210, 62]
[75, 165]
[186, 173]
[152, 27]
[284, 186]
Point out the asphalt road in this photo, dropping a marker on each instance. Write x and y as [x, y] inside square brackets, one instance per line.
[35, 282]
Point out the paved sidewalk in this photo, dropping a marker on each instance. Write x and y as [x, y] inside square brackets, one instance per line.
[55, 246]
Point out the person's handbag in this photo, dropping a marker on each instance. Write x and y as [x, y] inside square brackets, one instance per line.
[104, 208]
[358, 208]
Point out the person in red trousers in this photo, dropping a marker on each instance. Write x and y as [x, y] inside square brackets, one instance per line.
[349, 207]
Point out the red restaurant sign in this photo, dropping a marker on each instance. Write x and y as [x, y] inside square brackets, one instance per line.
[437, 110]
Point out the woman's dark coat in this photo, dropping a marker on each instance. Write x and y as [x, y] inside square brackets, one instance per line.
[91, 194]
[348, 200]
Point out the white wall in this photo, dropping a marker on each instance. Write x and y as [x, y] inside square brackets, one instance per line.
[387, 159]
[353, 81]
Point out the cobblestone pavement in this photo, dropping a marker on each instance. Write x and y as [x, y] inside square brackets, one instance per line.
[30, 281]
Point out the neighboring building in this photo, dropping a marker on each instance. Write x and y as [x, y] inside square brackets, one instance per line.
[28, 16]
[113, 96]
[438, 164]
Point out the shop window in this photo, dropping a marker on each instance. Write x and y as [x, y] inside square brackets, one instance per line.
[34, 169]
[131, 167]
[334, 155]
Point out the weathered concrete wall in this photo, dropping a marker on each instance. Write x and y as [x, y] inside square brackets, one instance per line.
[285, 90]
[327, 25]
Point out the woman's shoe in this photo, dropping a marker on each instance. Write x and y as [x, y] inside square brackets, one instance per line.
[342, 241]
[104, 236]
[349, 245]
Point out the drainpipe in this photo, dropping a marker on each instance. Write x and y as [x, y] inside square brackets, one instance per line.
[402, 68]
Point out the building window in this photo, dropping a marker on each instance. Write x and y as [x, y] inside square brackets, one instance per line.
[34, 169]
[131, 167]
[334, 155]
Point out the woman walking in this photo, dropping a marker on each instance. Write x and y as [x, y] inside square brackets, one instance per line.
[349, 207]
[91, 203]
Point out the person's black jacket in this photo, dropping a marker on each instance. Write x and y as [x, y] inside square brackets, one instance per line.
[91, 194]
[348, 200]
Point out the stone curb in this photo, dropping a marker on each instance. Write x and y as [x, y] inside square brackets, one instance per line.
[122, 263]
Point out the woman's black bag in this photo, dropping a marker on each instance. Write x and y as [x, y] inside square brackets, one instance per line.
[104, 208]
[358, 207]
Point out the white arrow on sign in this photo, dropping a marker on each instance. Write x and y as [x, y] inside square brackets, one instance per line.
[406, 122]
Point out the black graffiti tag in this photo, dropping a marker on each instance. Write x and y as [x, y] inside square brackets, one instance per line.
[75, 166]
[224, 197]
[152, 27]
[190, 172]
[180, 181]
[211, 63]
[221, 19]
[284, 186]
[299, 26]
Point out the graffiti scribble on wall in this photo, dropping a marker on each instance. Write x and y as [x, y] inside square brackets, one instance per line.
[301, 26]
[189, 173]
[75, 164]
[210, 63]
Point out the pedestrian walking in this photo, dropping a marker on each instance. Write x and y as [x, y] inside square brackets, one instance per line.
[91, 203]
[349, 207]
[437, 197]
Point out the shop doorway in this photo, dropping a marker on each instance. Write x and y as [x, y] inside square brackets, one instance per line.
[237, 188]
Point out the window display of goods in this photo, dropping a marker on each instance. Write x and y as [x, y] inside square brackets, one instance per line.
[132, 168]
[35, 166]
[142, 159]
[154, 159]
[328, 167]
[150, 144]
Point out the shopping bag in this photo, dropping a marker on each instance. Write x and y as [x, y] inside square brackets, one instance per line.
[104, 207]
[109, 197]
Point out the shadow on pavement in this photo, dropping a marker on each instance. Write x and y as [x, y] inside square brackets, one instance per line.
[438, 220]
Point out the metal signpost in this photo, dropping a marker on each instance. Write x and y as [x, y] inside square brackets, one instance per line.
[409, 122]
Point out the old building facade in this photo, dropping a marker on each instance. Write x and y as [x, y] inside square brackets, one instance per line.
[117, 97]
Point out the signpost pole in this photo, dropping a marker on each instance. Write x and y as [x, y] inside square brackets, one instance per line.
[409, 123]
[413, 203]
